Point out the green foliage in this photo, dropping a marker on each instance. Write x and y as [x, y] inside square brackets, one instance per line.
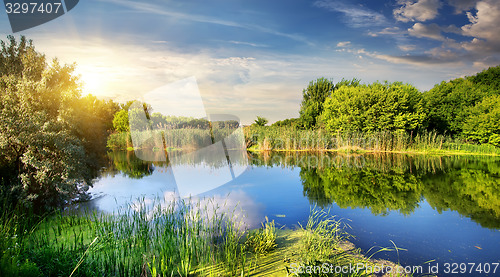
[289, 122]
[374, 107]
[120, 121]
[263, 240]
[261, 121]
[51, 139]
[450, 104]
[313, 98]
[483, 124]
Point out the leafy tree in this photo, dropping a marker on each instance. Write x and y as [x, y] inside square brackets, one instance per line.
[483, 124]
[375, 107]
[50, 136]
[449, 104]
[261, 121]
[120, 121]
[313, 98]
[289, 122]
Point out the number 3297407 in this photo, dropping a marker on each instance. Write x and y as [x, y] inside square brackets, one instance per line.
[32, 8]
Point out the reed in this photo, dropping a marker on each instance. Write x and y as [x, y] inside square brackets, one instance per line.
[269, 138]
[177, 239]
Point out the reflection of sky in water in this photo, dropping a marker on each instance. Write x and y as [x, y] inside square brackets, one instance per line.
[278, 193]
[113, 192]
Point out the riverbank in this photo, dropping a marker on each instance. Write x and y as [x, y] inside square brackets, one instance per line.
[158, 240]
[271, 138]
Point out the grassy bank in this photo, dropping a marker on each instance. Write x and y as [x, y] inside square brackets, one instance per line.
[270, 138]
[181, 239]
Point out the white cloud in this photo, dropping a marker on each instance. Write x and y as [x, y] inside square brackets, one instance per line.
[420, 10]
[386, 31]
[432, 31]
[356, 16]
[343, 44]
[462, 5]
[407, 48]
[158, 10]
[484, 27]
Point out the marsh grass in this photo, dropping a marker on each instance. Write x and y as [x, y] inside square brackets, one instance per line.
[181, 238]
[262, 240]
[177, 239]
[268, 138]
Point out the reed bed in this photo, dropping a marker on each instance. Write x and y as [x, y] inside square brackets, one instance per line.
[269, 138]
[183, 238]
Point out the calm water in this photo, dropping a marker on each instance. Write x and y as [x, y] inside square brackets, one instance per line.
[443, 208]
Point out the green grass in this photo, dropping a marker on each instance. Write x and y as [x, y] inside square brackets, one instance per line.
[184, 238]
[263, 240]
[178, 239]
[271, 138]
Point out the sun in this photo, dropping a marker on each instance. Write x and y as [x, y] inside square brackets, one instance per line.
[93, 81]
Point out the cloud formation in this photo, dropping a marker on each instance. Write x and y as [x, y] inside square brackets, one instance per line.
[355, 16]
[484, 28]
[432, 31]
[420, 10]
[462, 5]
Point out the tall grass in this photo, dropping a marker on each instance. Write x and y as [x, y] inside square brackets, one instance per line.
[184, 138]
[268, 138]
[263, 240]
[179, 239]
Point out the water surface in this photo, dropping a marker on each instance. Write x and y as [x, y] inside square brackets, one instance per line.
[445, 208]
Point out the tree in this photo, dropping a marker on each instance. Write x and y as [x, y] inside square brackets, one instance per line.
[483, 124]
[375, 107]
[261, 121]
[449, 104]
[120, 121]
[313, 98]
[49, 135]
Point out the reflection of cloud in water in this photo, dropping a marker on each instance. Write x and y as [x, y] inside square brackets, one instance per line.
[237, 205]
[244, 208]
[113, 193]
[118, 191]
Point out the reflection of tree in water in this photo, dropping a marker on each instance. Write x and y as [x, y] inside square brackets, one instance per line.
[393, 182]
[473, 192]
[127, 163]
[381, 192]
[132, 166]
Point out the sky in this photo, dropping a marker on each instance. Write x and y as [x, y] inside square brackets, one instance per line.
[253, 58]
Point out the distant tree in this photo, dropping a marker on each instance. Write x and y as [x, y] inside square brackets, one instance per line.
[375, 107]
[261, 121]
[449, 104]
[120, 121]
[313, 98]
[289, 122]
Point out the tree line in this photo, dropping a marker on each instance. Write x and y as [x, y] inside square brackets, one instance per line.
[467, 108]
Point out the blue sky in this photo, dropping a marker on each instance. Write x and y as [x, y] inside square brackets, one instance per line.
[254, 57]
